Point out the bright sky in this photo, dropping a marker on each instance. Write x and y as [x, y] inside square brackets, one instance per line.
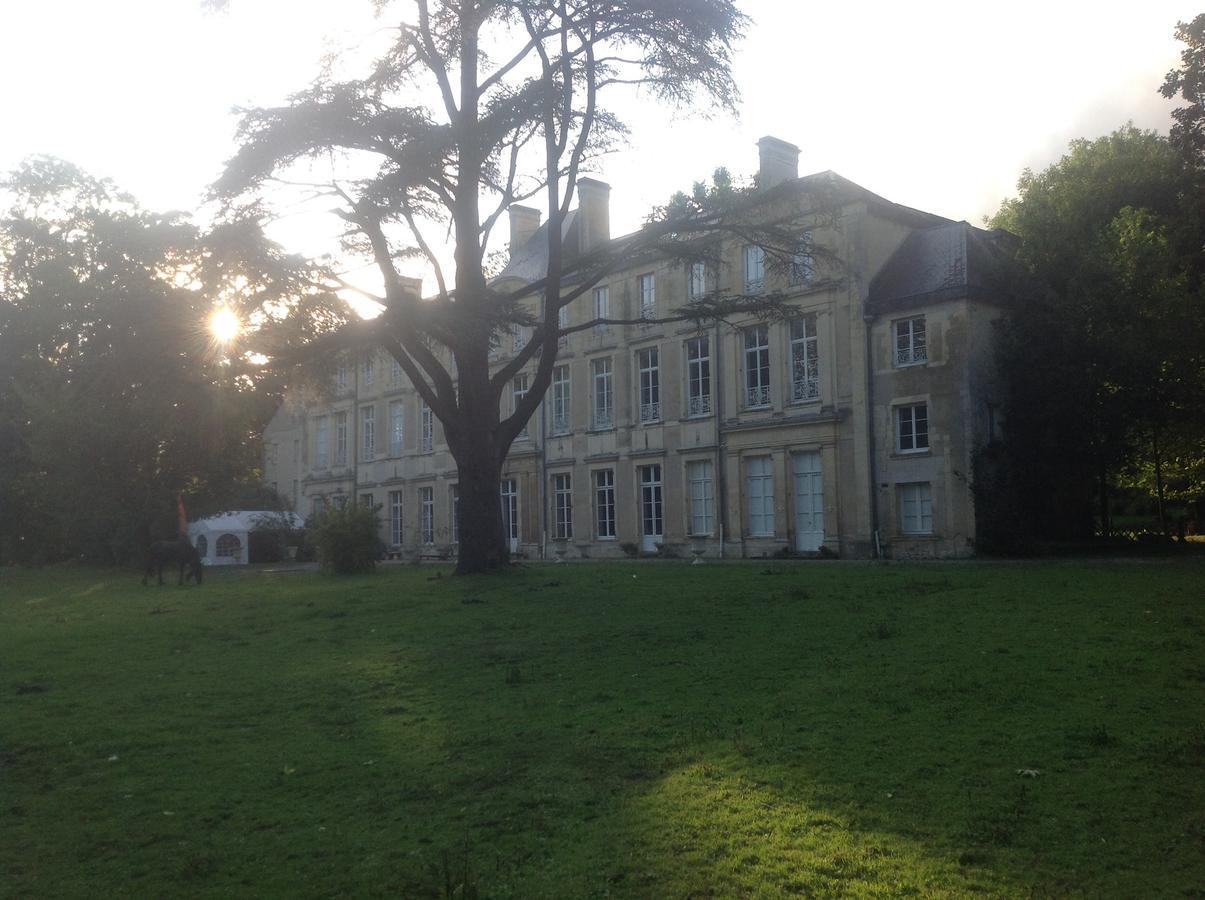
[934, 104]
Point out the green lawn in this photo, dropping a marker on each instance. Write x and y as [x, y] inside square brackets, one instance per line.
[625, 730]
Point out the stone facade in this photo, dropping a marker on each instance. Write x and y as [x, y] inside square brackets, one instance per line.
[849, 429]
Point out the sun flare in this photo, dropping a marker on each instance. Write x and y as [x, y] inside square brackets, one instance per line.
[224, 325]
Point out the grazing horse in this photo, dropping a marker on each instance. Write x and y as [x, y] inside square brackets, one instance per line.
[178, 551]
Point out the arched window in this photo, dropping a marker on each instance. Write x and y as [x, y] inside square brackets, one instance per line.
[228, 545]
[202, 545]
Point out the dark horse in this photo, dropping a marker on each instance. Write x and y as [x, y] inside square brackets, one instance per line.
[179, 551]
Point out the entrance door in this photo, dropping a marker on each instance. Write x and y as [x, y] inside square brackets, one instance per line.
[809, 502]
[651, 526]
[510, 512]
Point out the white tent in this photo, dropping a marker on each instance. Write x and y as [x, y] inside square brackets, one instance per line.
[223, 539]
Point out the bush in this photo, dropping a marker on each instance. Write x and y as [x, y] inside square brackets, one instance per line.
[346, 539]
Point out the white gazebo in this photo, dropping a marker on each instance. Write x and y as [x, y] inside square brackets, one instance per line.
[223, 540]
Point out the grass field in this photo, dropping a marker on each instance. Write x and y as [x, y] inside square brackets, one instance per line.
[626, 730]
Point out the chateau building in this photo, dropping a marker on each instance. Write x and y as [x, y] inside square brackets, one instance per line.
[847, 427]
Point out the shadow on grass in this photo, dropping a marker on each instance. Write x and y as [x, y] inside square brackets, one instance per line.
[630, 731]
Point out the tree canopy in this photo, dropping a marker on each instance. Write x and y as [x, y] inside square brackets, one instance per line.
[114, 394]
[471, 108]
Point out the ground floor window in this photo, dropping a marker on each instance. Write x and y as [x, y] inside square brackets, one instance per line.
[426, 502]
[395, 518]
[604, 502]
[562, 506]
[702, 497]
[759, 489]
[916, 508]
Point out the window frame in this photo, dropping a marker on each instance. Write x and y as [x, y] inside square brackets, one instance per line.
[915, 349]
[397, 427]
[646, 295]
[604, 504]
[906, 413]
[698, 376]
[757, 395]
[765, 480]
[648, 385]
[922, 501]
[754, 258]
[562, 401]
[805, 357]
[562, 506]
[426, 427]
[368, 432]
[702, 500]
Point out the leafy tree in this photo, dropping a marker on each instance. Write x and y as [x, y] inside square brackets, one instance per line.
[475, 106]
[1188, 82]
[113, 395]
[1106, 355]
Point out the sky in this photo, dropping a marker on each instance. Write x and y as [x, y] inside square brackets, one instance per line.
[936, 105]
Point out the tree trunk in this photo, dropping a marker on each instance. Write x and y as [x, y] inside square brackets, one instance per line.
[484, 546]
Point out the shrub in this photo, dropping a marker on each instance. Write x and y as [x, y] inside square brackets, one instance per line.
[347, 540]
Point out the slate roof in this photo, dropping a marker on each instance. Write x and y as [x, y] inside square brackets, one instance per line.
[950, 261]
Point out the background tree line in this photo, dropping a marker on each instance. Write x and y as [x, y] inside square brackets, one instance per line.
[114, 395]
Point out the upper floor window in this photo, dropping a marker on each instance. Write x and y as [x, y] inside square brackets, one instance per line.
[562, 322]
[755, 269]
[696, 281]
[647, 289]
[698, 377]
[602, 307]
[322, 445]
[368, 433]
[805, 359]
[912, 428]
[910, 345]
[397, 419]
[370, 372]
[341, 438]
[518, 390]
[602, 399]
[395, 371]
[803, 261]
[341, 378]
[757, 365]
[519, 337]
[426, 427]
[561, 401]
[648, 361]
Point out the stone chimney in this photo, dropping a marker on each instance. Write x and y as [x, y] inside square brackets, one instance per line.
[412, 286]
[524, 222]
[594, 213]
[779, 162]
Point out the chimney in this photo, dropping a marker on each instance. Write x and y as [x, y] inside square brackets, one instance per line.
[412, 286]
[524, 222]
[594, 213]
[779, 162]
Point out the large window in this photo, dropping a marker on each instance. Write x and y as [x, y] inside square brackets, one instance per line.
[757, 365]
[426, 423]
[646, 286]
[648, 362]
[755, 269]
[603, 395]
[562, 506]
[518, 390]
[510, 510]
[916, 508]
[759, 490]
[368, 433]
[562, 322]
[341, 378]
[395, 518]
[395, 372]
[370, 372]
[604, 503]
[698, 377]
[519, 337]
[426, 503]
[912, 428]
[602, 307]
[803, 261]
[696, 281]
[322, 442]
[702, 497]
[805, 359]
[911, 348]
[562, 410]
[341, 438]
[397, 420]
